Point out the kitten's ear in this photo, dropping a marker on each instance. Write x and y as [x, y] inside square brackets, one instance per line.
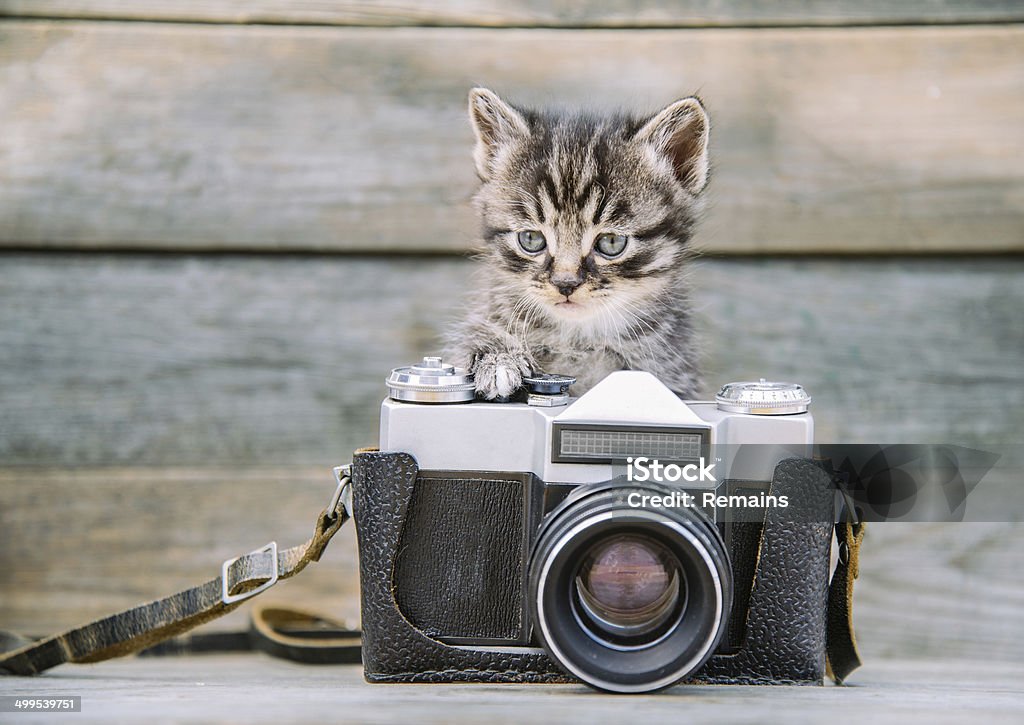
[680, 132]
[495, 123]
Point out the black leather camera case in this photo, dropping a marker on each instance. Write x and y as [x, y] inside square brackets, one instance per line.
[783, 641]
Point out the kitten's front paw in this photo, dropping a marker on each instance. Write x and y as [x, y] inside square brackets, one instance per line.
[499, 374]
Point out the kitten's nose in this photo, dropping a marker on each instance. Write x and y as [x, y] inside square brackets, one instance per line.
[566, 284]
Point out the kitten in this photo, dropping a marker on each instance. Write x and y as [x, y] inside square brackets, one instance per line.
[586, 221]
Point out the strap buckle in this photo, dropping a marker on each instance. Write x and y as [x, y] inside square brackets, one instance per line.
[343, 493]
[225, 592]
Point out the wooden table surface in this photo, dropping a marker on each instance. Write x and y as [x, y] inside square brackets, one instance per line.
[258, 689]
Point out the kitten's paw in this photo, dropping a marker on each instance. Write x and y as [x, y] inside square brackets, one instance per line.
[499, 374]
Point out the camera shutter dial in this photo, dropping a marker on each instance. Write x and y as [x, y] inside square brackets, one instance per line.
[431, 381]
[763, 398]
[548, 383]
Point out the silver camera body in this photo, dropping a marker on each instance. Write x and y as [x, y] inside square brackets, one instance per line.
[745, 432]
[532, 540]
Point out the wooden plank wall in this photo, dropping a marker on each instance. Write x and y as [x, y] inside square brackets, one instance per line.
[533, 13]
[166, 360]
[152, 405]
[342, 137]
[159, 414]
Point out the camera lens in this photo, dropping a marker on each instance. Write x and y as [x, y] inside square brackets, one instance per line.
[628, 586]
[628, 599]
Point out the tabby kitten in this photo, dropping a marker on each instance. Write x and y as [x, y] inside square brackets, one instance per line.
[586, 221]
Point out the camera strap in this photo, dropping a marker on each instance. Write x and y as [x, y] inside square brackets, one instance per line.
[283, 632]
[306, 637]
[841, 655]
[240, 579]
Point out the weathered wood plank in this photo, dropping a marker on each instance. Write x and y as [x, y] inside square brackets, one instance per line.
[587, 13]
[128, 536]
[248, 377]
[81, 543]
[856, 140]
[252, 689]
[178, 360]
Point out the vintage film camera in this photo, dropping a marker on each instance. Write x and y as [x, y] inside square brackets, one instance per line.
[499, 541]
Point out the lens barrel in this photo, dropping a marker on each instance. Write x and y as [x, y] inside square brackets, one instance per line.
[628, 599]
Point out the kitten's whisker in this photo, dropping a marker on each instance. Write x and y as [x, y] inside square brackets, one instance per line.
[630, 331]
[641, 316]
[517, 308]
[532, 308]
[606, 314]
[643, 347]
[638, 315]
[513, 315]
[529, 310]
[609, 310]
[642, 340]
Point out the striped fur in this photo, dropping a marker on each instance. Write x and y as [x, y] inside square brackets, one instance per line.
[572, 177]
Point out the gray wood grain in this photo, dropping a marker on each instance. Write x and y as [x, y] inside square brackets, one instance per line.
[78, 544]
[198, 360]
[161, 413]
[162, 136]
[585, 13]
[256, 689]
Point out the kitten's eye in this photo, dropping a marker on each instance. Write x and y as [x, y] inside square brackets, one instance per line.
[532, 242]
[611, 245]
